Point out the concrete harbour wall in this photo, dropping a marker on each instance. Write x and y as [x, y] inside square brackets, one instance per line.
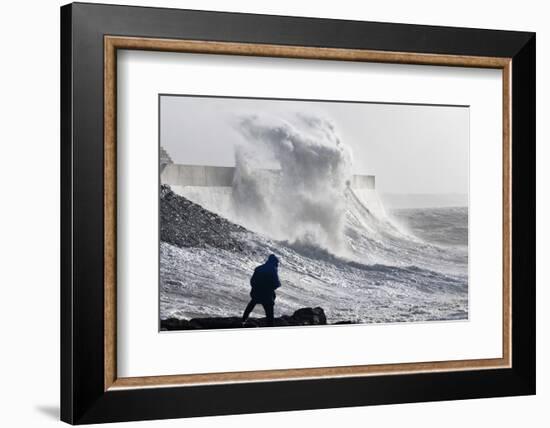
[222, 176]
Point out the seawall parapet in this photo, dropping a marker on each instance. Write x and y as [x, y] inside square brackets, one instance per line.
[222, 176]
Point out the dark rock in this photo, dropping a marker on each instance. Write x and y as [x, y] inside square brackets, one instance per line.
[303, 316]
[310, 316]
[218, 322]
[175, 324]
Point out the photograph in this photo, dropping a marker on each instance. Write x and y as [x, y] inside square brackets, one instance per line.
[281, 212]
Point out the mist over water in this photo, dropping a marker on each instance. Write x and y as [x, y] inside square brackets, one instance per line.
[303, 200]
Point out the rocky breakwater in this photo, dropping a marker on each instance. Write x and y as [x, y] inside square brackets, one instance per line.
[302, 317]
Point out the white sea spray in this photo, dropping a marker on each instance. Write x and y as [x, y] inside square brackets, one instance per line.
[302, 199]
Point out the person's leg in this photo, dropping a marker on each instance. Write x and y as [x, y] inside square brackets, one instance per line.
[268, 308]
[248, 309]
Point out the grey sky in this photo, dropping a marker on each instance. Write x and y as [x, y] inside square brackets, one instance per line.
[410, 148]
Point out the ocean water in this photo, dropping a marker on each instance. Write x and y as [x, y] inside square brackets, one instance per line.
[398, 266]
[444, 226]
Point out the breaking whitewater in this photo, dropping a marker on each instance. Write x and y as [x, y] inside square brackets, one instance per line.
[339, 248]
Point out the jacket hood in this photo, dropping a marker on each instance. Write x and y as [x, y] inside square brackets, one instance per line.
[272, 260]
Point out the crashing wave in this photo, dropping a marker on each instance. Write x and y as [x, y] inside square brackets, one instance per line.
[339, 248]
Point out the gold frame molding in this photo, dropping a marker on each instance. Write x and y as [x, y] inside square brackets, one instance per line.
[113, 43]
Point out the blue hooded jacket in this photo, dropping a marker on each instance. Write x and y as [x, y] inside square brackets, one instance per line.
[265, 281]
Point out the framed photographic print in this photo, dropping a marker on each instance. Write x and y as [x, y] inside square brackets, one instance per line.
[265, 213]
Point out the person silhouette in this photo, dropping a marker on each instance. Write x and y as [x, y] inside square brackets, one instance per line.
[264, 282]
